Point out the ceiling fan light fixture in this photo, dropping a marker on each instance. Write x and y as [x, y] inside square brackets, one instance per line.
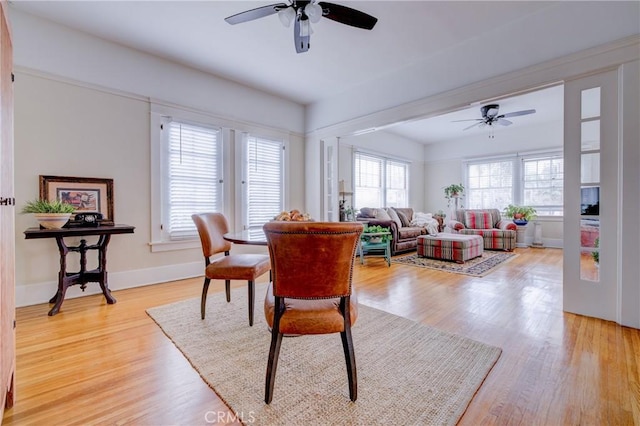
[313, 11]
[305, 28]
[286, 16]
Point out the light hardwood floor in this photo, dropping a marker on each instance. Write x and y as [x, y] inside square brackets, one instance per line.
[110, 364]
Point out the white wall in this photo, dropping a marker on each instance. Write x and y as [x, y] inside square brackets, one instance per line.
[43, 45]
[82, 109]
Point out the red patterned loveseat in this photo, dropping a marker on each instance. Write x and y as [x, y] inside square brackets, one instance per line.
[497, 233]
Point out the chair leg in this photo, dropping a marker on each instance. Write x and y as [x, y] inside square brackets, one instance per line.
[252, 298]
[227, 288]
[203, 301]
[349, 355]
[274, 352]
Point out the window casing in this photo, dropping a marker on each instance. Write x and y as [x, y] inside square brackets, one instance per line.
[532, 180]
[380, 181]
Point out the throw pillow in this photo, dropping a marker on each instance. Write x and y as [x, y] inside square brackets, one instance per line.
[381, 214]
[403, 218]
[477, 219]
[394, 216]
[368, 212]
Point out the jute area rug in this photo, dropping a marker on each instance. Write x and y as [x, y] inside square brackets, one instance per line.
[408, 373]
[477, 267]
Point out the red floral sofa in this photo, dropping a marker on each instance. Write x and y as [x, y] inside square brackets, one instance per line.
[497, 233]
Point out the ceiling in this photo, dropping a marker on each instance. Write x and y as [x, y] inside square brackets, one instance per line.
[261, 53]
[548, 103]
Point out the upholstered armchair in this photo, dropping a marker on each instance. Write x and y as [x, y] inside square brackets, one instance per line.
[497, 233]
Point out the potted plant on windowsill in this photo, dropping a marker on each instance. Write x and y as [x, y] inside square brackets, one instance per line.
[521, 215]
[50, 214]
[453, 191]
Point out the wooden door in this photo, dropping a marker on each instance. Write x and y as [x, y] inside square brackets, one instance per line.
[7, 215]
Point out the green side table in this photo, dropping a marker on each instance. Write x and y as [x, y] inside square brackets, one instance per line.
[371, 244]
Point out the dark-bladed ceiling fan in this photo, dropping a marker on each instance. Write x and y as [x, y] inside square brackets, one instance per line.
[303, 13]
[490, 116]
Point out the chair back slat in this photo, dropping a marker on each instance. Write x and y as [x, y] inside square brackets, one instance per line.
[312, 260]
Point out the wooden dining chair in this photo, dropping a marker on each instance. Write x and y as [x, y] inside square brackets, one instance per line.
[311, 290]
[211, 228]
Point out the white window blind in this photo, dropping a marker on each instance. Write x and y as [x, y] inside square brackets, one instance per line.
[543, 184]
[534, 180]
[193, 182]
[397, 184]
[490, 185]
[380, 182]
[368, 180]
[265, 180]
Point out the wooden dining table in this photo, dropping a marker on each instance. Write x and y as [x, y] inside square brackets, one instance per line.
[253, 237]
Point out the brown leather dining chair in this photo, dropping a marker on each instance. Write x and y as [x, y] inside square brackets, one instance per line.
[311, 291]
[211, 228]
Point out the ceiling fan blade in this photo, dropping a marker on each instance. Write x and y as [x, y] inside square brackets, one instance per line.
[517, 113]
[471, 119]
[346, 15]
[504, 122]
[259, 12]
[473, 125]
[302, 42]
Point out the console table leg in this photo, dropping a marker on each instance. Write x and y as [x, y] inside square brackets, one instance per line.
[102, 261]
[62, 285]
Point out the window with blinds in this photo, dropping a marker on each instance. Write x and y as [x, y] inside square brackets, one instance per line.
[380, 182]
[264, 181]
[490, 185]
[531, 180]
[192, 180]
[543, 184]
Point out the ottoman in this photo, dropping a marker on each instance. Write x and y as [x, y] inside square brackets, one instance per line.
[456, 247]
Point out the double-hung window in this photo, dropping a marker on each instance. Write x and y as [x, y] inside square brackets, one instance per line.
[490, 184]
[532, 180]
[188, 179]
[263, 180]
[380, 181]
[543, 181]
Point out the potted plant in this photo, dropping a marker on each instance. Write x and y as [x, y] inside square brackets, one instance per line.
[376, 229]
[453, 191]
[50, 214]
[521, 215]
[350, 214]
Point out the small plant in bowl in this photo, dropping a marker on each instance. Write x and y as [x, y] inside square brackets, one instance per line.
[50, 214]
[521, 215]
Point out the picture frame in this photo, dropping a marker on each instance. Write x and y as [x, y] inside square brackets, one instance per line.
[87, 194]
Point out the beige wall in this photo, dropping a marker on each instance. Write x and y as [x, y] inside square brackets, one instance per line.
[73, 130]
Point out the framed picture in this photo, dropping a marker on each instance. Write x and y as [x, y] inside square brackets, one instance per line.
[87, 195]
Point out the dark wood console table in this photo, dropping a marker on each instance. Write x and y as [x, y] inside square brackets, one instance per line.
[82, 277]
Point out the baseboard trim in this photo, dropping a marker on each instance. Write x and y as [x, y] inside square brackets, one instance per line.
[33, 294]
